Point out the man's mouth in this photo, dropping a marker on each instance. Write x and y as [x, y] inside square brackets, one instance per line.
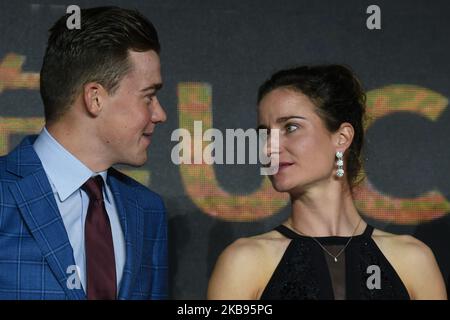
[147, 136]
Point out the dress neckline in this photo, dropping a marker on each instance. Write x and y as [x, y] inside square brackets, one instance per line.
[333, 240]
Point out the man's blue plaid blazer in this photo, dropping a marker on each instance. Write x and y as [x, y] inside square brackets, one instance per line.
[35, 252]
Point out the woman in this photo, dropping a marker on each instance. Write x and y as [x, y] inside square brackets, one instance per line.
[324, 250]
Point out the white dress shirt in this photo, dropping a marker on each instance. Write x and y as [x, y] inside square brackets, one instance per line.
[66, 175]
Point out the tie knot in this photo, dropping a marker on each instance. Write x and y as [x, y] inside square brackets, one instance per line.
[93, 188]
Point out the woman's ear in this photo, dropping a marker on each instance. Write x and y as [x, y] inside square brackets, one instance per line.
[343, 137]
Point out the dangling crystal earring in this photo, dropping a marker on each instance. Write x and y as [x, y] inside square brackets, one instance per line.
[340, 164]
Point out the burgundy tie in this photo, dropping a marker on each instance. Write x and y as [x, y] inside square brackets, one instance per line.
[100, 262]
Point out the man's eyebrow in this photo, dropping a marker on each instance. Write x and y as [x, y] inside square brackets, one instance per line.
[284, 119]
[155, 87]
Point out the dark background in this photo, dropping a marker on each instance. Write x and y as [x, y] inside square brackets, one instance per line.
[234, 46]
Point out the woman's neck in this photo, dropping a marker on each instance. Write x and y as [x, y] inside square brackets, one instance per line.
[325, 211]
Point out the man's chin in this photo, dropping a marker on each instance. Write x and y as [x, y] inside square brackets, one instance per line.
[140, 162]
[136, 162]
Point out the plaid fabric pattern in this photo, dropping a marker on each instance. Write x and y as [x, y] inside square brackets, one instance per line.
[35, 252]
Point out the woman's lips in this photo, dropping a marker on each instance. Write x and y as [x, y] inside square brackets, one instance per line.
[280, 167]
[284, 165]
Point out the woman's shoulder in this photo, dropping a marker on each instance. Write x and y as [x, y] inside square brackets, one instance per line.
[406, 251]
[414, 262]
[256, 249]
[408, 246]
[248, 260]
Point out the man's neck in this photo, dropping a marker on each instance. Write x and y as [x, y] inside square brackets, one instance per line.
[80, 143]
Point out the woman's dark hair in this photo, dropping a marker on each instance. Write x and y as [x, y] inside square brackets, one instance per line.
[97, 52]
[339, 98]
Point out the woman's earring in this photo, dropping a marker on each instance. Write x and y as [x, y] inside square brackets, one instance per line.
[340, 164]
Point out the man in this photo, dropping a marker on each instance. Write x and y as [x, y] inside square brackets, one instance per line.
[71, 226]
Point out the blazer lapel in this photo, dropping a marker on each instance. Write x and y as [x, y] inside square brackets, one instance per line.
[37, 205]
[131, 220]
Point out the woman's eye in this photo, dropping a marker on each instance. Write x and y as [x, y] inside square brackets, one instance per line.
[291, 128]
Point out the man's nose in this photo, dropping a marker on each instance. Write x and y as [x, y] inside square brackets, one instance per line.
[158, 115]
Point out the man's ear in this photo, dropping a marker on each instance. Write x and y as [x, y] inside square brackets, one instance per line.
[94, 98]
[343, 137]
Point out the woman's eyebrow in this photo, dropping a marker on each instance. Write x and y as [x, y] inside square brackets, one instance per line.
[284, 119]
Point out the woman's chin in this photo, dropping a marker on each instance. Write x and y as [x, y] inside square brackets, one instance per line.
[281, 187]
[292, 189]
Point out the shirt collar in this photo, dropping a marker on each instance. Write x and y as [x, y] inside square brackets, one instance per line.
[64, 170]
